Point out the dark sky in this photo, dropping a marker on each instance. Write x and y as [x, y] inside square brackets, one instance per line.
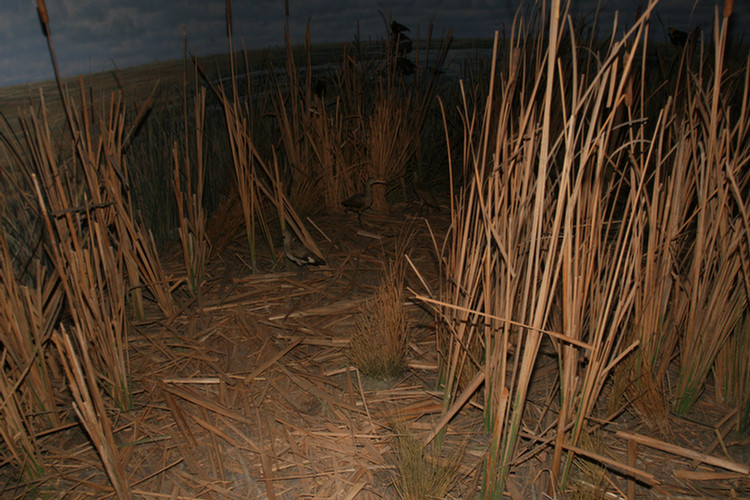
[96, 35]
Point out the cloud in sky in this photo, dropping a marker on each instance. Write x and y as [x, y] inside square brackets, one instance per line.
[95, 35]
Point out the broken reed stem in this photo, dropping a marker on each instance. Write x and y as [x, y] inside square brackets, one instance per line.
[27, 396]
[684, 452]
[582, 250]
[91, 268]
[89, 406]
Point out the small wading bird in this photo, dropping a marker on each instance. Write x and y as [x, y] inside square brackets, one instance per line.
[362, 201]
[677, 37]
[297, 252]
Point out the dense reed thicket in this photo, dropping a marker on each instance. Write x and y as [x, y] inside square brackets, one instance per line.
[604, 217]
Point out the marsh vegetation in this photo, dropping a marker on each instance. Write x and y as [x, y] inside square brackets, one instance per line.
[547, 294]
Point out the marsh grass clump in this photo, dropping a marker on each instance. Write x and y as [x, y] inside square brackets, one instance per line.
[732, 372]
[378, 345]
[591, 476]
[27, 395]
[422, 472]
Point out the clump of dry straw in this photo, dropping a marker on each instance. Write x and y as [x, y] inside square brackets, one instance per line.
[378, 345]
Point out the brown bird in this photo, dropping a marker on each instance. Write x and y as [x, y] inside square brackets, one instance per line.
[362, 201]
[677, 37]
[297, 252]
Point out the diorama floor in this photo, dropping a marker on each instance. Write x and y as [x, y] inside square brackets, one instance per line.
[248, 393]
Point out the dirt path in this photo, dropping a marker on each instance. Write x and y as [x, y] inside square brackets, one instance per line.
[248, 393]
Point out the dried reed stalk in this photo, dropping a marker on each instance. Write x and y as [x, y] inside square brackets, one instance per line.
[715, 278]
[658, 219]
[732, 372]
[77, 215]
[89, 405]
[488, 250]
[106, 178]
[540, 224]
[422, 473]
[238, 119]
[378, 345]
[293, 109]
[27, 318]
[22, 449]
[85, 208]
[259, 181]
[327, 135]
[598, 266]
[192, 230]
[243, 156]
[27, 397]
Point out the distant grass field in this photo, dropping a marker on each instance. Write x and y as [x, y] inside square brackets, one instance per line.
[137, 82]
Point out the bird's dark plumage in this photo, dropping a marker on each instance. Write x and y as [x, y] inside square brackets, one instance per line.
[362, 201]
[398, 27]
[405, 66]
[402, 44]
[320, 87]
[677, 37]
[297, 252]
